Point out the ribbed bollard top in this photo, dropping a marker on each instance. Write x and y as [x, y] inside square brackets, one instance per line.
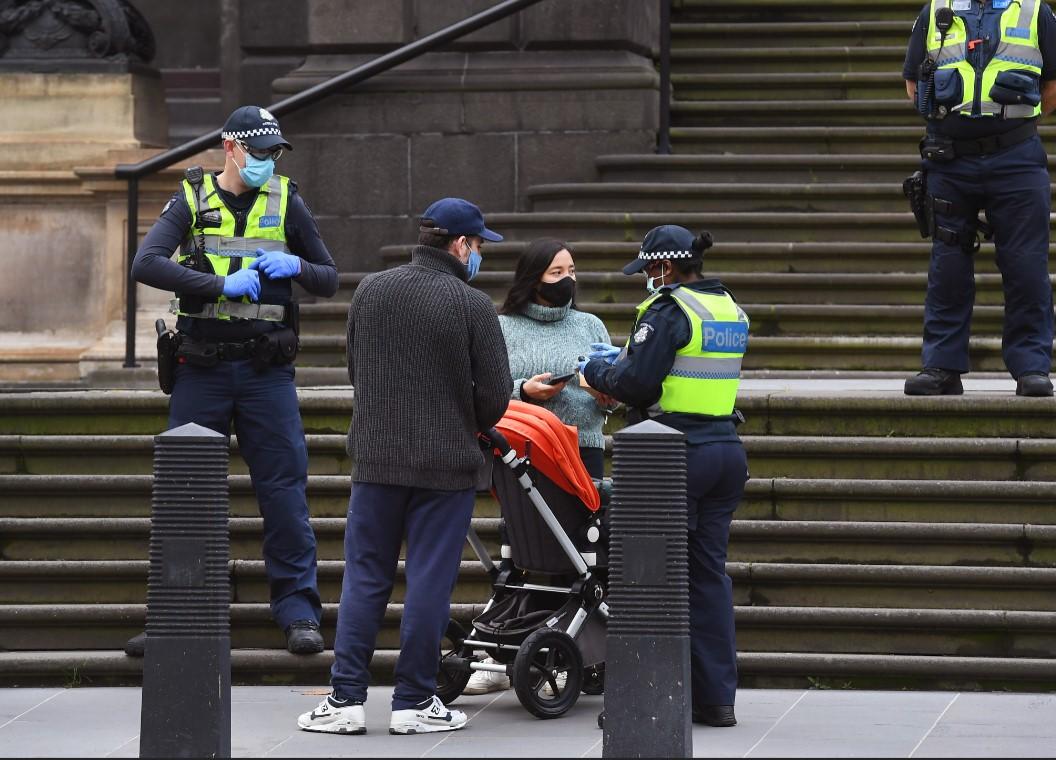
[649, 581]
[189, 590]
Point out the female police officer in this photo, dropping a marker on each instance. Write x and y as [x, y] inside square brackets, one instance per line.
[681, 367]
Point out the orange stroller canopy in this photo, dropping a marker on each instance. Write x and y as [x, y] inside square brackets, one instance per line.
[554, 449]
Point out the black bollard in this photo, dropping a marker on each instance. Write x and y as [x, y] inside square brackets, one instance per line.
[187, 664]
[647, 667]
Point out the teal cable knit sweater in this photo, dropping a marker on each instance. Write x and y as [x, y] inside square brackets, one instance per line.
[545, 339]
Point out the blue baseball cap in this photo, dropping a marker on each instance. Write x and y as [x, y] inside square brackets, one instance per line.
[668, 241]
[256, 127]
[455, 216]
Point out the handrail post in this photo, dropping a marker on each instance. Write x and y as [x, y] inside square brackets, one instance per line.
[130, 295]
[664, 137]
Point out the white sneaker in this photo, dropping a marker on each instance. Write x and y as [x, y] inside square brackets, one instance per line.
[485, 681]
[425, 720]
[333, 717]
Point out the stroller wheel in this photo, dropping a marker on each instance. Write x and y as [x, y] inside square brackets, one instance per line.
[452, 677]
[594, 680]
[548, 673]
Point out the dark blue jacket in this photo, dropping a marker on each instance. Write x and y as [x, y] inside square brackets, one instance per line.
[637, 379]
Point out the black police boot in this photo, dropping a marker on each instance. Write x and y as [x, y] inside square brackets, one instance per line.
[720, 716]
[1034, 384]
[303, 637]
[934, 382]
[136, 645]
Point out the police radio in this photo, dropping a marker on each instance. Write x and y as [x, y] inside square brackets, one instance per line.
[943, 22]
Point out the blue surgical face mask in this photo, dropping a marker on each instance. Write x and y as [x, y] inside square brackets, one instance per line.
[257, 171]
[473, 265]
[651, 285]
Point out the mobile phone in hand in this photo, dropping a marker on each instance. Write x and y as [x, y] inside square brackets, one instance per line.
[560, 379]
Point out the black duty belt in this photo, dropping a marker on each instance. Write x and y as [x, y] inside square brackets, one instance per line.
[994, 143]
[237, 351]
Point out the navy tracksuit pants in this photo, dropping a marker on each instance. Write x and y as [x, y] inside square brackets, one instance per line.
[717, 473]
[380, 518]
[267, 421]
[1012, 187]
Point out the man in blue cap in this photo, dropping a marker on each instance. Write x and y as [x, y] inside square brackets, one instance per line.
[428, 362]
[244, 236]
[681, 367]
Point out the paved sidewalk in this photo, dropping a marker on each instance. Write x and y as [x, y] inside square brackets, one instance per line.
[104, 722]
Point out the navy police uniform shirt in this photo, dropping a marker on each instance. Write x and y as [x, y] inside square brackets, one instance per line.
[637, 379]
[965, 128]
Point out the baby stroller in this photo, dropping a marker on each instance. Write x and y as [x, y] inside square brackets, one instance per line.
[545, 621]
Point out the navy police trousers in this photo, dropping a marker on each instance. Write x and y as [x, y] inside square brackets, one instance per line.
[1012, 187]
[267, 421]
[380, 518]
[715, 484]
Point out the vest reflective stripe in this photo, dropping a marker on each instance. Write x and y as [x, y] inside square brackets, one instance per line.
[225, 252]
[1017, 50]
[702, 381]
[245, 247]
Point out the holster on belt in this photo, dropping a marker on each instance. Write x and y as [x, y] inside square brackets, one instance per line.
[915, 188]
[168, 345]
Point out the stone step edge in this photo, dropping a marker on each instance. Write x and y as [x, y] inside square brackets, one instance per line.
[819, 530]
[950, 490]
[790, 28]
[90, 663]
[777, 617]
[775, 572]
[845, 446]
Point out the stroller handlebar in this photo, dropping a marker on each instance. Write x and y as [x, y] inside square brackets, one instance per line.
[493, 439]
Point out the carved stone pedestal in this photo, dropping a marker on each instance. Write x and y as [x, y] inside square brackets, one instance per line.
[76, 91]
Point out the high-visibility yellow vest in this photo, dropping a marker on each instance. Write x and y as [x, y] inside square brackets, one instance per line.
[1017, 50]
[707, 370]
[227, 252]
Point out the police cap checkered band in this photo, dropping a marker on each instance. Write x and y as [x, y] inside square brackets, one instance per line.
[256, 127]
[668, 241]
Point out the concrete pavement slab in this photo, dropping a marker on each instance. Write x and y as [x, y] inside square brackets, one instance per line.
[75, 723]
[102, 722]
[862, 724]
[15, 702]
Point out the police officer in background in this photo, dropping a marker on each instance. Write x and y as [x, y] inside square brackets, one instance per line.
[982, 72]
[244, 236]
[681, 367]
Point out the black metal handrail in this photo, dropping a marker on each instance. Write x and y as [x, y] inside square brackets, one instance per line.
[663, 138]
[134, 172]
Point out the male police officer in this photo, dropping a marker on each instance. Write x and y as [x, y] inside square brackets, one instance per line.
[982, 72]
[246, 234]
[681, 367]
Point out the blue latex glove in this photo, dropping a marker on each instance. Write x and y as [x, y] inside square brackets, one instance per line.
[244, 282]
[605, 351]
[583, 362]
[276, 265]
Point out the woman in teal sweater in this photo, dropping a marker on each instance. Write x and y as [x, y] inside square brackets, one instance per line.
[545, 337]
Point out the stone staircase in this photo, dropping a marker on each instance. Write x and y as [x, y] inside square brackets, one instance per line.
[883, 541]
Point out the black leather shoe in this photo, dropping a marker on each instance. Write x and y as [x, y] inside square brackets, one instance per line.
[303, 637]
[934, 382]
[136, 645]
[1034, 384]
[720, 716]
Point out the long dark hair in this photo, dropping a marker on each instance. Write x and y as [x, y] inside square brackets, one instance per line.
[535, 259]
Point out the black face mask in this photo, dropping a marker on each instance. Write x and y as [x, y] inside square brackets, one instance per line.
[558, 293]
